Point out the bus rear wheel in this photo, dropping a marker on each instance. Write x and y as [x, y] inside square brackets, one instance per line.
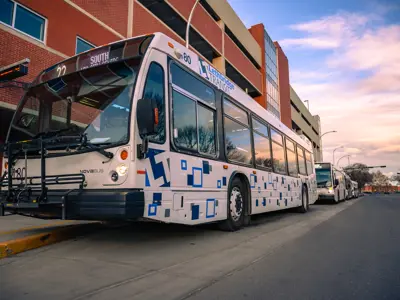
[236, 206]
[304, 200]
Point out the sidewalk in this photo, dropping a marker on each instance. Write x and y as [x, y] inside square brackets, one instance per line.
[21, 233]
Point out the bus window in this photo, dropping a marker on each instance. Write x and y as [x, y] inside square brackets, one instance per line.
[291, 157]
[155, 89]
[237, 134]
[262, 147]
[278, 152]
[309, 163]
[193, 105]
[301, 160]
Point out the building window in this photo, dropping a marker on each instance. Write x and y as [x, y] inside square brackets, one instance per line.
[82, 45]
[22, 19]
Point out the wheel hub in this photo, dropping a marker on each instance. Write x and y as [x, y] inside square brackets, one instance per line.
[236, 204]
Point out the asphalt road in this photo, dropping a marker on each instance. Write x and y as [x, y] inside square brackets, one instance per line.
[345, 251]
[355, 255]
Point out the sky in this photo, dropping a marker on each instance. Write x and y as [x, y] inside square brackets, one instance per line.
[344, 57]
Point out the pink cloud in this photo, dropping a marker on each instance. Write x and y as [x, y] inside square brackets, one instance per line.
[364, 110]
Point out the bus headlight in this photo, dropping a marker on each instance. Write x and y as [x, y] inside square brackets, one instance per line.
[330, 190]
[122, 170]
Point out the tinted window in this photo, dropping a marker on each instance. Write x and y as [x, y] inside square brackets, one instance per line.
[194, 86]
[310, 169]
[82, 46]
[279, 158]
[292, 163]
[237, 142]
[206, 129]
[262, 151]
[155, 89]
[235, 112]
[184, 114]
[260, 128]
[29, 23]
[277, 137]
[6, 11]
[302, 163]
[289, 145]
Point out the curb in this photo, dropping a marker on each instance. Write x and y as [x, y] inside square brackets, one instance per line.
[12, 247]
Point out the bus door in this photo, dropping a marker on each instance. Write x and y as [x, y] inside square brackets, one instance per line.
[153, 169]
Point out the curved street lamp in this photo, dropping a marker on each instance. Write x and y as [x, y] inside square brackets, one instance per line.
[188, 23]
[333, 158]
[348, 155]
[332, 131]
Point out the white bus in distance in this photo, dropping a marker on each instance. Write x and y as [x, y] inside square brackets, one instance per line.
[151, 130]
[330, 182]
[355, 192]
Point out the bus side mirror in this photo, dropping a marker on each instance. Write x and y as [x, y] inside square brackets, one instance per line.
[147, 116]
[147, 119]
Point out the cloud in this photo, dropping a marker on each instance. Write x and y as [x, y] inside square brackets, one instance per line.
[355, 85]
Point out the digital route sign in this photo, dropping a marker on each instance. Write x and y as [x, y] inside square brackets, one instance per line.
[96, 57]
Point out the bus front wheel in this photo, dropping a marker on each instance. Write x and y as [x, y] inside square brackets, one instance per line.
[236, 206]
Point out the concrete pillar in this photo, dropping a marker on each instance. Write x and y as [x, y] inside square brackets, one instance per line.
[219, 64]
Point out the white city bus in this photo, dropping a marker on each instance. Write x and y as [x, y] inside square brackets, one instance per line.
[145, 128]
[354, 189]
[331, 182]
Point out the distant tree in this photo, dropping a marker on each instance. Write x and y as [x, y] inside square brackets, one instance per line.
[395, 178]
[359, 172]
[379, 179]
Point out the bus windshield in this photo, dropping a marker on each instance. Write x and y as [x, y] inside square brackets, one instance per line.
[324, 177]
[95, 102]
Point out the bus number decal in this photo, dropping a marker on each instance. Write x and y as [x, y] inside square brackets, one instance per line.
[187, 58]
[61, 70]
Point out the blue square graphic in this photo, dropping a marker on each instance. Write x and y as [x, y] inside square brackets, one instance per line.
[197, 174]
[195, 212]
[210, 208]
[206, 167]
[152, 211]
[219, 184]
[224, 181]
[183, 164]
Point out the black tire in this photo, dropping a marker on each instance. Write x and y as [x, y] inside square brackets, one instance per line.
[304, 200]
[237, 212]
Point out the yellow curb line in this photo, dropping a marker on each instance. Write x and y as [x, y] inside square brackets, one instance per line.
[16, 246]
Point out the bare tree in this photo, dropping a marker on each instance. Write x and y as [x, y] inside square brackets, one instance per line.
[379, 179]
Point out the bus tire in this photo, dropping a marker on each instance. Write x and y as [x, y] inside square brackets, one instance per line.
[304, 200]
[236, 206]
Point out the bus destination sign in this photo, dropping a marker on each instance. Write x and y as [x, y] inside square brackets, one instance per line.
[96, 57]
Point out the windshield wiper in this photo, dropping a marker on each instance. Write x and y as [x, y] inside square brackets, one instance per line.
[86, 144]
[51, 133]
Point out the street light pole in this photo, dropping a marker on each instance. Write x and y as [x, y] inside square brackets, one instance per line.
[188, 23]
[333, 158]
[348, 155]
[332, 131]
[308, 104]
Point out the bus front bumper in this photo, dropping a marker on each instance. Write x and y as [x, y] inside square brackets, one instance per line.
[119, 204]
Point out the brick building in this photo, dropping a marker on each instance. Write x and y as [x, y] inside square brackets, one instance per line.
[49, 31]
